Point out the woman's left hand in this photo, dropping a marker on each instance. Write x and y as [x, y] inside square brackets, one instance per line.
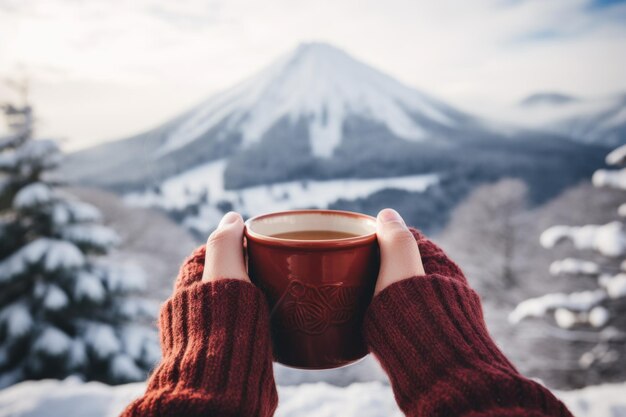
[225, 251]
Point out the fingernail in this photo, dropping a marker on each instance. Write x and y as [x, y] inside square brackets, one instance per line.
[229, 218]
[390, 215]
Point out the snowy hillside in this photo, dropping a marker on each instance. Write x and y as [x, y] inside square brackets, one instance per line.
[70, 398]
[183, 190]
[323, 85]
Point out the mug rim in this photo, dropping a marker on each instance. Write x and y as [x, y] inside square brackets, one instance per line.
[310, 244]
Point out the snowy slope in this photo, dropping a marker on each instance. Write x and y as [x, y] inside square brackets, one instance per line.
[177, 191]
[71, 398]
[182, 190]
[323, 85]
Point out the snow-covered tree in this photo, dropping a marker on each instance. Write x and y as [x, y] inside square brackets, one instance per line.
[598, 314]
[494, 214]
[64, 310]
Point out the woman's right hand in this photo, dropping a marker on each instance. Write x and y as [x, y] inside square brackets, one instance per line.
[429, 334]
[399, 254]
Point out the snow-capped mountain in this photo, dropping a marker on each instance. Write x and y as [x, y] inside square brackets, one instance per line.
[606, 125]
[311, 104]
[547, 98]
[589, 120]
[324, 86]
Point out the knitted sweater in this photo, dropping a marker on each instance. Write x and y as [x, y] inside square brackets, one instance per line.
[428, 333]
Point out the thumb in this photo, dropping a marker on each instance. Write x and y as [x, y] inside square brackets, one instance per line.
[224, 250]
[399, 254]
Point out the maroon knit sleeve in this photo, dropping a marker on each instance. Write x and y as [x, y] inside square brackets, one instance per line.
[217, 358]
[429, 334]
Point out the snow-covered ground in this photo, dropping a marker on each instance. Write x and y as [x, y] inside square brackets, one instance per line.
[179, 191]
[71, 398]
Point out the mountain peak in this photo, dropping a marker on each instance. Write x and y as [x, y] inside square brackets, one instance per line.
[320, 53]
[318, 60]
[317, 49]
[324, 86]
[547, 98]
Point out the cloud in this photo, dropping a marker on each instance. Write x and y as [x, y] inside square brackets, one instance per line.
[99, 52]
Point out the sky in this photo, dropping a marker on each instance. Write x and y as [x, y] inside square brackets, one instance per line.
[102, 70]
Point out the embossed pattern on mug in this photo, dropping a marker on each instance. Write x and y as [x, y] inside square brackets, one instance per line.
[312, 309]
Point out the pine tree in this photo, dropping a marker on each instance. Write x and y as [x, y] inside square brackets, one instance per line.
[64, 310]
[594, 317]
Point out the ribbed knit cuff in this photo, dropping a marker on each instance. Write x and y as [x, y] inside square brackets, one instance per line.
[216, 353]
[434, 259]
[191, 269]
[429, 334]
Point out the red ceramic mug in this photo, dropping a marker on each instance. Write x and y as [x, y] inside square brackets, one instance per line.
[317, 290]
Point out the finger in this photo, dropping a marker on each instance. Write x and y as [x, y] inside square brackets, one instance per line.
[224, 250]
[245, 253]
[399, 254]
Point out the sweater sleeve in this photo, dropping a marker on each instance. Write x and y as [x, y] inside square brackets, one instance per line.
[216, 347]
[429, 334]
